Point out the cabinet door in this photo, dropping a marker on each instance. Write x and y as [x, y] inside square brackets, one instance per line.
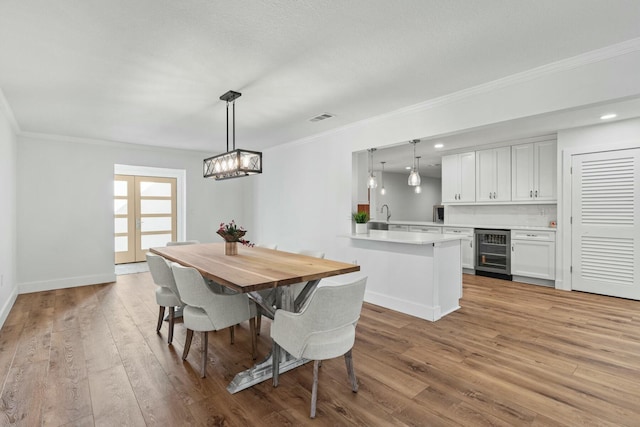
[468, 254]
[503, 174]
[467, 167]
[545, 171]
[533, 259]
[522, 172]
[485, 175]
[450, 178]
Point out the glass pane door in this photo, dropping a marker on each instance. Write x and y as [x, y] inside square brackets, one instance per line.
[144, 215]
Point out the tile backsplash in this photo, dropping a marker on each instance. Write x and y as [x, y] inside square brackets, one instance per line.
[502, 215]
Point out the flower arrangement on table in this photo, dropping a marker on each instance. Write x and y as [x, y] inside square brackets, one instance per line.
[233, 233]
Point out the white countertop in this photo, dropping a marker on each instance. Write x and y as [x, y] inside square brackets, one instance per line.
[406, 237]
[497, 227]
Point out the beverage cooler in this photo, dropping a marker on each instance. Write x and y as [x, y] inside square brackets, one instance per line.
[492, 253]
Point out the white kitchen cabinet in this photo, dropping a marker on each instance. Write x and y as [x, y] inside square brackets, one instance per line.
[533, 254]
[493, 175]
[458, 178]
[533, 176]
[434, 229]
[398, 227]
[468, 251]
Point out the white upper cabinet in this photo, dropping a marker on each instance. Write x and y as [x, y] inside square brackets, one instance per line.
[459, 178]
[493, 175]
[534, 172]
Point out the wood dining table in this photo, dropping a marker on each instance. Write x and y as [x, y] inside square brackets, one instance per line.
[254, 269]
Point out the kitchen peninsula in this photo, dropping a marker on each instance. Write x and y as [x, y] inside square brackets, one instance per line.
[415, 273]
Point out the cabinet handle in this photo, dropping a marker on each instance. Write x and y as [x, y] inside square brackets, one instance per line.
[530, 193]
[470, 243]
[494, 194]
[536, 193]
[512, 248]
[490, 195]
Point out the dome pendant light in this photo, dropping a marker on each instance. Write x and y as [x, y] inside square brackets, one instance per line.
[382, 190]
[414, 176]
[371, 181]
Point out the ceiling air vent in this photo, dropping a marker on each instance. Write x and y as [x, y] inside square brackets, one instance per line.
[323, 116]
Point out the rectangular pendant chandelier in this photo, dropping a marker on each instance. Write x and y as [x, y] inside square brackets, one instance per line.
[233, 164]
[237, 162]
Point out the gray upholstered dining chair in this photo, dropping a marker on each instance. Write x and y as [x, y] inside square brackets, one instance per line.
[268, 295]
[184, 242]
[324, 328]
[167, 294]
[206, 310]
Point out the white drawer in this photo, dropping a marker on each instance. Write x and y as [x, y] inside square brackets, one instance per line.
[396, 227]
[457, 230]
[425, 229]
[547, 236]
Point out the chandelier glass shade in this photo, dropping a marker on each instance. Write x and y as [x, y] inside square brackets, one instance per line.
[234, 163]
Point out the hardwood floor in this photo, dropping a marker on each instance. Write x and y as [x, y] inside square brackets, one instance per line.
[513, 355]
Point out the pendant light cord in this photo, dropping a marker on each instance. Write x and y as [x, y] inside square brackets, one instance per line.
[233, 118]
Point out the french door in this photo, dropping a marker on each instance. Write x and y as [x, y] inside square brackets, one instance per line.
[144, 215]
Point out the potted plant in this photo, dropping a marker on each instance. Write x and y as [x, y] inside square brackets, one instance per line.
[361, 218]
[232, 234]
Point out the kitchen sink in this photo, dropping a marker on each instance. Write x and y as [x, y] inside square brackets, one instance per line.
[375, 225]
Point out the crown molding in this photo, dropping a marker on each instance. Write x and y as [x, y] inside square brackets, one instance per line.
[8, 112]
[612, 51]
[104, 142]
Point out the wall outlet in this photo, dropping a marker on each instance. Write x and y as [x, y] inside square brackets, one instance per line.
[355, 261]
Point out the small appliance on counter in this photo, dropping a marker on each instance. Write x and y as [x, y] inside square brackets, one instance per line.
[438, 213]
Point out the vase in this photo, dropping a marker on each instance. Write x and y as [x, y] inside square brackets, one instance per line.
[362, 228]
[231, 248]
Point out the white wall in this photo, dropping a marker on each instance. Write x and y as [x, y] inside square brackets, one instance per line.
[8, 284]
[404, 204]
[65, 207]
[610, 136]
[304, 197]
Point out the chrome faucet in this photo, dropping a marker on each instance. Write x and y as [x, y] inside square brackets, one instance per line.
[382, 211]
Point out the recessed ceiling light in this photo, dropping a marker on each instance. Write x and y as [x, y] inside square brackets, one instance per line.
[407, 167]
[438, 145]
[608, 116]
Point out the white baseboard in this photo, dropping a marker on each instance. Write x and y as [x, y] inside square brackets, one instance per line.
[67, 282]
[8, 305]
[534, 281]
[408, 307]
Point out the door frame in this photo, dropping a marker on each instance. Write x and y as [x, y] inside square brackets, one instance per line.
[564, 237]
[181, 189]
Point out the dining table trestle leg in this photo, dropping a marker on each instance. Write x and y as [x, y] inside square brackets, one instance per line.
[262, 371]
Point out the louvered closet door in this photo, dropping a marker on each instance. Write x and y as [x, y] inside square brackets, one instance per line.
[605, 206]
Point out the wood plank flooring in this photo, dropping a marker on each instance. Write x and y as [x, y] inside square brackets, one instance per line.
[513, 355]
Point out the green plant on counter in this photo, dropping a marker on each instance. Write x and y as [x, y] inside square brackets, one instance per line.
[360, 217]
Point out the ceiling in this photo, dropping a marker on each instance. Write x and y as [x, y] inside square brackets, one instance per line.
[152, 71]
